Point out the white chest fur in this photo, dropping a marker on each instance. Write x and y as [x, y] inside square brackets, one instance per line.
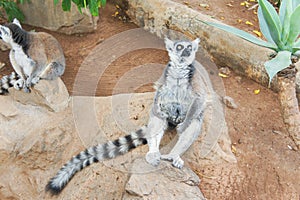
[21, 60]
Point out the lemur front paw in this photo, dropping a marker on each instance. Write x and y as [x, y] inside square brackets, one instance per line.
[19, 84]
[35, 80]
[153, 158]
[27, 89]
[175, 159]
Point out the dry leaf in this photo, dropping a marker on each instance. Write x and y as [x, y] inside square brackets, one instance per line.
[233, 149]
[256, 91]
[203, 5]
[257, 33]
[249, 23]
[223, 75]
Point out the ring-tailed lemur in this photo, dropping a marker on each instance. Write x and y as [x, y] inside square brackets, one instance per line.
[179, 101]
[33, 55]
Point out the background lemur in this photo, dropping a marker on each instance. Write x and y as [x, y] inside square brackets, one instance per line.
[33, 55]
[179, 101]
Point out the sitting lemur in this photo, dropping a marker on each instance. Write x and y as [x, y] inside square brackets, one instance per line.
[179, 102]
[33, 55]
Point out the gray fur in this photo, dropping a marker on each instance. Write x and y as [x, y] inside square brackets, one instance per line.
[33, 55]
[178, 102]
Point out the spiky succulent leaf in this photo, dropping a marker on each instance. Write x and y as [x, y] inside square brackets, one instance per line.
[296, 3]
[285, 12]
[243, 34]
[294, 26]
[273, 22]
[296, 46]
[280, 62]
[264, 26]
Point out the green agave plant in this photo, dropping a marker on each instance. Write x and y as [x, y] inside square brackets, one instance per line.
[280, 30]
[93, 5]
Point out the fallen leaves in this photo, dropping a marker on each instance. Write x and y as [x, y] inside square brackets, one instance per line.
[223, 75]
[204, 5]
[258, 33]
[249, 23]
[257, 91]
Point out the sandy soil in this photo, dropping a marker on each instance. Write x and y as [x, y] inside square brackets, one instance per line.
[268, 163]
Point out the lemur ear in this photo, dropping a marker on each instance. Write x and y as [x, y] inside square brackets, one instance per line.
[16, 21]
[169, 44]
[195, 44]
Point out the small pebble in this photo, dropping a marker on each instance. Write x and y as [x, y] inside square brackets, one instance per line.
[225, 70]
[229, 102]
[2, 65]
[238, 79]
[276, 132]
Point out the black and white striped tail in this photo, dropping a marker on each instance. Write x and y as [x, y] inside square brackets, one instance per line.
[7, 82]
[94, 154]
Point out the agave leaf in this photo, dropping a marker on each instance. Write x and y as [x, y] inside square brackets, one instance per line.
[285, 20]
[263, 26]
[280, 62]
[244, 35]
[295, 26]
[282, 10]
[273, 21]
[296, 3]
[296, 46]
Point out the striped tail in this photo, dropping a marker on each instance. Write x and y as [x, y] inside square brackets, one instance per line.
[7, 82]
[94, 154]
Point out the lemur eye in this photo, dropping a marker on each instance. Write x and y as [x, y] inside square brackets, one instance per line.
[179, 47]
[189, 47]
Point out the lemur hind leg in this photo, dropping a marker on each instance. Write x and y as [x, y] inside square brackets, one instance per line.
[188, 132]
[185, 140]
[52, 71]
[155, 130]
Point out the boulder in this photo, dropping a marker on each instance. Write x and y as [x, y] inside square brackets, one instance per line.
[49, 16]
[165, 183]
[52, 95]
[36, 142]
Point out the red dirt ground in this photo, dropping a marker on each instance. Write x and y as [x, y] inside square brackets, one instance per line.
[268, 164]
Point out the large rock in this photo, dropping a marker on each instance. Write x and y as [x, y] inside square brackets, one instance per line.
[52, 95]
[165, 183]
[36, 142]
[49, 16]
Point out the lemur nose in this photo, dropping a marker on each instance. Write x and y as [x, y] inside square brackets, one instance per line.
[186, 52]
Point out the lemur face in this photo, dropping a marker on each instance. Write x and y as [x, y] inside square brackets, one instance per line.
[5, 32]
[182, 52]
